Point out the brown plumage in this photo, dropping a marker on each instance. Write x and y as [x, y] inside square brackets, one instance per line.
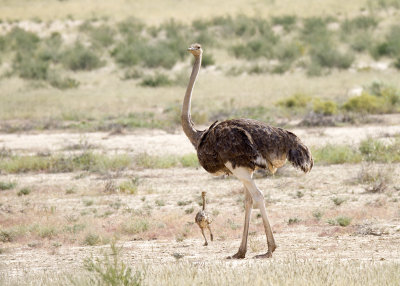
[238, 147]
[203, 220]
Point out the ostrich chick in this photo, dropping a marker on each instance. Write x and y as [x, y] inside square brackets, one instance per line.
[203, 219]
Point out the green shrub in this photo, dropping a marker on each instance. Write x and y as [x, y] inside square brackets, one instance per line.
[189, 160]
[327, 55]
[315, 31]
[62, 82]
[6, 235]
[102, 35]
[158, 79]
[22, 40]
[91, 239]
[207, 60]
[377, 151]
[7, 186]
[79, 57]
[125, 55]
[29, 66]
[287, 21]
[24, 192]
[391, 45]
[325, 107]
[113, 272]
[135, 226]
[338, 200]
[336, 154]
[297, 100]
[343, 221]
[397, 63]
[365, 103]
[130, 186]
[253, 49]
[359, 23]
[50, 48]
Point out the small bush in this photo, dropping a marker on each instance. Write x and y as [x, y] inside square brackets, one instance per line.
[29, 66]
[253, 49]
[207, 60]
[6, 235]
[24, 192]
[91, 239]
[62, 82]
[343, 221]
[189, 160]
[338, 200]
[102, 35]
[21, 40]
[325, 107]
[111, 271]
[135, 226]
[160, 203]
[80, 58]
[298, 100]
[7, 186]
[287, 21]
[189, 210]
[293, 220]
[327, 55]
[336, 154]
[376, 151]
[158, 79]
[317, 214]
[365, 103]
[130, 186]
[125, 55]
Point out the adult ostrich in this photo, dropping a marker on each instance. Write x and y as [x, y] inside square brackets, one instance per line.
[238, 147]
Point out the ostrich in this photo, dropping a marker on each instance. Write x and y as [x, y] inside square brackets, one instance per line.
[239, 147]
[203, 219]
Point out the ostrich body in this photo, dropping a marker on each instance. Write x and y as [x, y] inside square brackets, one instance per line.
[240, 146]
[203, 220]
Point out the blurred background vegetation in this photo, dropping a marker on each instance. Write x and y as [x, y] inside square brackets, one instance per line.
[93, 65]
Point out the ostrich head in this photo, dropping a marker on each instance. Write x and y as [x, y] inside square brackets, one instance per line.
[195, 49]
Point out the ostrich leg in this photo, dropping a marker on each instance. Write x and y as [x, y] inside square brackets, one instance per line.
[258, 198]
[248, 204]
[211, 235]
[245, 175]
[205, 243]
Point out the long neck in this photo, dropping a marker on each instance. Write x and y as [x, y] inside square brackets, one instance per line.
[204, 203]
[187, 124]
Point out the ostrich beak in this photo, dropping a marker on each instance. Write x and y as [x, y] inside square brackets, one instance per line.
[190, 49]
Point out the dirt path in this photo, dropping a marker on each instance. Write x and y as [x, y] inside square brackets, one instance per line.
[160, 142]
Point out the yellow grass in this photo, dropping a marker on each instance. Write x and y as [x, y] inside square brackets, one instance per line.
[157, 11]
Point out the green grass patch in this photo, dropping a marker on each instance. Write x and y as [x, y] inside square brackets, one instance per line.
[336, 154]
[24, 192]
[7, 185]
[167, 161]
[86, 161]
[135, 226]
[129, 187]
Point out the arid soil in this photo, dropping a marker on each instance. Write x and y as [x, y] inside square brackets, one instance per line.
[301, 207]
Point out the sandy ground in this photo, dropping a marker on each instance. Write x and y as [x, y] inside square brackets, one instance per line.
[374, 233]
[156, 142]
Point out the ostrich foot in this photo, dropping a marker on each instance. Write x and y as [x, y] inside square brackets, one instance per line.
[238, 255]
[265, 255]
[205, 243]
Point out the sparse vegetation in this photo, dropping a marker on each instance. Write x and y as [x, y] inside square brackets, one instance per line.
[111, 270]
[338, 200]
[23, 192]
[7, 185]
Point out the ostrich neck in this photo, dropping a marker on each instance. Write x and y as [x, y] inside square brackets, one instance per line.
[187, 124]
[204, 203]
